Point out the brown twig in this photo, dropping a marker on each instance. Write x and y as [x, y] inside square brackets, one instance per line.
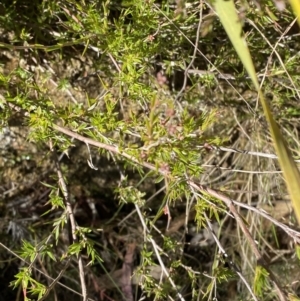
[260, 260]
[70, 212]
[232, 264]
[127, 270]
[56, 280]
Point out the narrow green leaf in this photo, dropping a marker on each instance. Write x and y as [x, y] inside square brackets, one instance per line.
[229, 18]
[298, 252]
[295, 4]
[51, 255]
[260, 280]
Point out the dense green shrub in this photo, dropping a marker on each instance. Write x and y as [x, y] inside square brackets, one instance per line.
[118, 117]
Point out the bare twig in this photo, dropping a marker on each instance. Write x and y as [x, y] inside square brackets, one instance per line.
[108, 147]
[240, 151]
[127, 270]
[204, 56]
[70, 212]
[275, 51]
[156, 250]
[194, 54]
[51, 286]
[239, 220]
[232, 264]
[292, 233]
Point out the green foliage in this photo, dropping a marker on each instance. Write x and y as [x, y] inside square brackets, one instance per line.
[109, 74]
[298, 251]
[131, 195]
[261, 282]
[29, 285]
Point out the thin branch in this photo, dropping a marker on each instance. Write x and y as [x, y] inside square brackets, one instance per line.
[51, 286]
[256, 172]
[194, 54]
[127, 270]
[107, 147]
[70, 212]
[156, 251]
[275, 51]
[260, 259]
[232, 264]
[41, 272]
[293, 233]
[240, 151]
[204, 56]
